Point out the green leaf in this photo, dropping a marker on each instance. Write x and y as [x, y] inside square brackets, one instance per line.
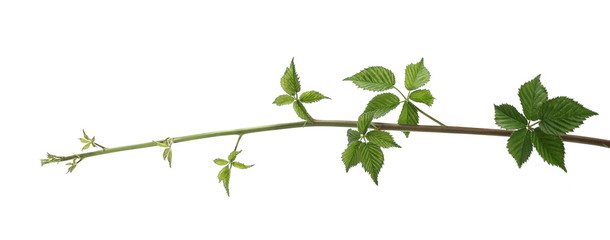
[550, 148]
[408, 116]
[162, 144]
[312, 96]
[364, 121]
[352, 136]
[301, 111]
[373, 79]
[85, 135]
[350, 156]
[169, 157]
[423, 96]
[221, 162]
[166, 153]
[532, 95]
[224, 176]
[382, 104]
[371, 157]
[83, 140]
[86, 146]
[241, 165]
[233, 155]
[416, 75]
[520, 145]
[508, 117]
[290, 81]
[382, 138]
[562, 115]
[283, 100]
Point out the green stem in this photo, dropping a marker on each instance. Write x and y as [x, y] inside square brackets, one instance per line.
[237, 143]
[335, 123]
[405, 97]
[431, 118]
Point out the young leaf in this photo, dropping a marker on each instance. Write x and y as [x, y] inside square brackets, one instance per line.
[381, 138]
[508, 117]
[301, 111]
[223, 176]
[162, 144]
[241, 165]
[382, 104]
[86, 146]
[83, 140]
[221, 162]
[352, 136]
[520, 145]
[283, 100]
[416, 75]
[532, 95]
[233, 155]
[550, 148]
[408, 116]
[166, 153]
[350, 156]
[364, 121]
[290, 81]
[423, 96]
[562, 115]
[371, 157]
[85, 135]
[169, 157]
[373, 79]
[312, 96]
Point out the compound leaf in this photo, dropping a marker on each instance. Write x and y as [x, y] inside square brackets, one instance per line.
[283, 100]
[371, 157]
[423, 96]
[381, 138]
[290, 81]
[520, 145]
[550, 148]
[312, 96]
[562, 115]
[382, 104]
[532, 95]
[373, 79]
[508, 117]
[416, 75]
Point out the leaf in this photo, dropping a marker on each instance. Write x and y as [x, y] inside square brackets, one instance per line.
[520, 145]
[85, 135]
[416, 75]
[166, 153]
[283, 100]
[169, 157]
[162, 144]
[312, 96]
[241, 165]
[301, 111]
[373, 79]
[562, 115]
[550, 148]
[532, 95]
[508, 117]
[86, 146]
[221, 162]
[233, 155]
[83, 140]
[350, 155]
[352, 135]
[408, 116]
[371, 157]
[224, 176]
[382, 104]
[364, 121]
[382, 138]
[290, 81]
[423, 96]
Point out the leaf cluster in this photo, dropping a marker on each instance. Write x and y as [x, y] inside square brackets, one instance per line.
[89, 142]
[554, 117]
[292, 86]
[225, 173]
[167, 152]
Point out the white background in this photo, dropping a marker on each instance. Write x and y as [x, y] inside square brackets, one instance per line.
[135, 71]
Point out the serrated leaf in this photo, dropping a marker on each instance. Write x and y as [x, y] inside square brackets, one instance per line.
[550, 148]
[382, 104]
[382, 138]
[364, 121]
[562, 115]
[241, 165]
[221, 162]
[532, 95]
[290, 81]
[301, 111]
[423, 96]
[408, 116]
[86, 146]
[350, 155]
[85, 135]
[83, 140]
[416, 75]
[283, 100]
[373, 79]
[352, 135]
[371, 158]
[224, 176]
[312, 96]
[508, 117]
[520, 145]
[233, 155]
